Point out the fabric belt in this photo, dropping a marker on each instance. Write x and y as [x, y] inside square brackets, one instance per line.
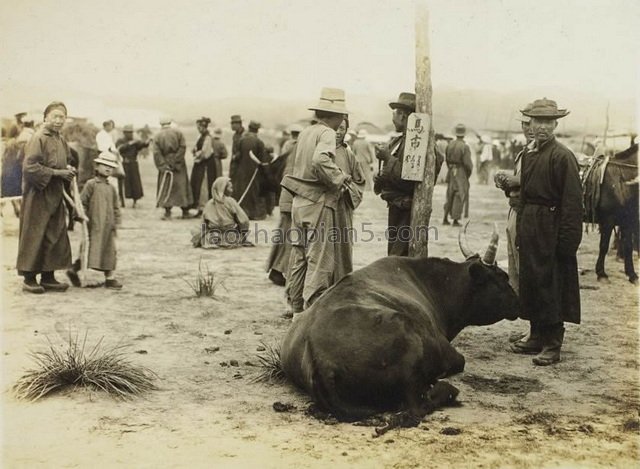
[552, 204]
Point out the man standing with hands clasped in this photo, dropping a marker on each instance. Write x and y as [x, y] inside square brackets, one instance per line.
[549, 233]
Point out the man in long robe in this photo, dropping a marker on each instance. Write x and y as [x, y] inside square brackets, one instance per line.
[203, 165]
[129, 148]
[549, 233]
[238, 132]
[247, 177]
[458, 158]
[173, 182]
[316, 183]
[43, 245]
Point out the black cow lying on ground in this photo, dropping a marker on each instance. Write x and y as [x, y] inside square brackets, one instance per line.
[379, 340]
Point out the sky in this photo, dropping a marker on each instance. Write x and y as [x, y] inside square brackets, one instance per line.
[292, 48]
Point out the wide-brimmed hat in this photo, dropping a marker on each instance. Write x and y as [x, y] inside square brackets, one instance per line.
[523, 118]
[405, 101]
[460, 130]
[545, 108]
[217, 131]
[165, 120]
[108, 159]
[127, 128]
[331, 100]
[236, 119]
[204, 120]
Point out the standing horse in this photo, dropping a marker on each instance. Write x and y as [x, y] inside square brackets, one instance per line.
[611, 199]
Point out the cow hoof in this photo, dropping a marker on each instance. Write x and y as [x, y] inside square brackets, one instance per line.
[604, 279]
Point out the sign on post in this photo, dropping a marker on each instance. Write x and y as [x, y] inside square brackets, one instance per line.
[416, 143]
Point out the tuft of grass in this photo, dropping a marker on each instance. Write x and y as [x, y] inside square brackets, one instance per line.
[271, 363]
[102, 368]
[206, 282]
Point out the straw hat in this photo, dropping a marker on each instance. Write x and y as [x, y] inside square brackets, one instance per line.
[108, 159]
[405, 101]
[461, 130]
[545, 108]
[331, 100]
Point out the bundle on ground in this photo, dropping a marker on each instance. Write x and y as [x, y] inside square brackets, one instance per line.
[102, 368]
[271, 364]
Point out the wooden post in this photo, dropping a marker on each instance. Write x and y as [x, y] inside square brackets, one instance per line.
[423, 192]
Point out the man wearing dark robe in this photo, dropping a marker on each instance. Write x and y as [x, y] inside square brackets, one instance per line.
[128, 147]
[238, 132]
[247, 177]
[173, 182]
[549, 233]
[43, 245]
[397, 192]
[458, 158]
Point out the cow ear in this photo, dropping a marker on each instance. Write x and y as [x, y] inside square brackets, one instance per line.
[478, 273]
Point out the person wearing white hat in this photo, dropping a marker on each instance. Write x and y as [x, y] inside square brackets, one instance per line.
[100, 203]
[316, 183]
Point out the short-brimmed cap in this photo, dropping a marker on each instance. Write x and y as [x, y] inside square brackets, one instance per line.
[108, 159]
[254, 125]
[127, 128]
[331, 100]
[236, 119]
[545, 108]
[460, 130]
[164, 120]
[405, 101]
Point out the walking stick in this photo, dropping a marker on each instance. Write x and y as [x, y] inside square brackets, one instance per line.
[166, 174]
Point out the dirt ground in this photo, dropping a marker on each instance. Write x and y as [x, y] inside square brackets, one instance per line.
[583, 412]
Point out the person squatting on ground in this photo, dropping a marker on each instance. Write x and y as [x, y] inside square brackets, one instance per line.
[43, 245]
[510, 184]
[549, 233]
[173, 182]
[100, 202]
[129, 148]
[397, 192]
[224, 223]
[458, 158]
[316, 183]
[203, 164]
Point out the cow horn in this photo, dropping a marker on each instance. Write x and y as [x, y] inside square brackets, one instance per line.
[462, 242]
[489, 257]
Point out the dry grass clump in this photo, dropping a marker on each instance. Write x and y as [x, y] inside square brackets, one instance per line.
[206, 282]
[271, 364]
[102, 368]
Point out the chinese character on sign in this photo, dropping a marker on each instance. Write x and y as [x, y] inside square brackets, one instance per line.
[415, 150]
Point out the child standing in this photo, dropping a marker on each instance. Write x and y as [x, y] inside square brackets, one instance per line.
[100, 202]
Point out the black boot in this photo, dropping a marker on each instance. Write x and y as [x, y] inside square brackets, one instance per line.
[552, 338]
[30, 284]
[49, 283]
[72, 274]
[531, 343]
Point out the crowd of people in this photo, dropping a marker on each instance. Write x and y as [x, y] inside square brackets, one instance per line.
[317, 180]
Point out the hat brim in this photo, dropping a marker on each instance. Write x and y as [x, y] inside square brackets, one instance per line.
[328, 109]
[396, 105]
[560, 114]
[111, 164]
